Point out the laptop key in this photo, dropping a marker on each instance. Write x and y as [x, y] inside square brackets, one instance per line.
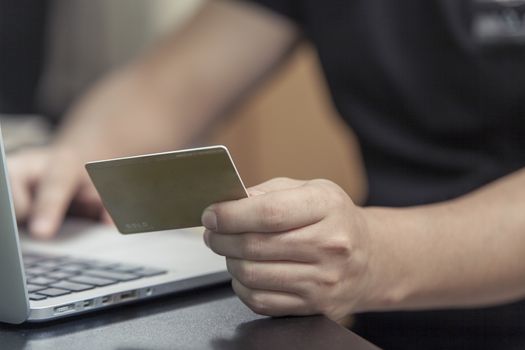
[72, 286]
[31, 288]
[59, 275]
[50, 264]
[125, 268]
[102, 265]
[37, 270]
[54, 292]
[96, 281]
[33, 296]
[76, 261]
[41, 281]
[149, 272]
[73, 268]
[32, 259]
[114, 275]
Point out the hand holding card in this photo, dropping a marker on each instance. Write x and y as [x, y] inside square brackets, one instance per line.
[165, 191]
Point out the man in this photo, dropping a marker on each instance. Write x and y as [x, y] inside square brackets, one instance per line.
[436, 99]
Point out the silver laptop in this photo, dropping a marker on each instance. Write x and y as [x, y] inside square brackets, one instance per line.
[89, 267]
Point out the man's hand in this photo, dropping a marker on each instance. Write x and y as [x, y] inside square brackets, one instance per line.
[297, 248]
[293, 248]
[46, 182]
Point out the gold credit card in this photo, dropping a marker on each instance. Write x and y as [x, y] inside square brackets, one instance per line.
[165, 191]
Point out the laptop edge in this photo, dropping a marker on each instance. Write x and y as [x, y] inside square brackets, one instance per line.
[15, 307]
[14, 301]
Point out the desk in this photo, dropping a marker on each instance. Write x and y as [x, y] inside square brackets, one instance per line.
[211, 318]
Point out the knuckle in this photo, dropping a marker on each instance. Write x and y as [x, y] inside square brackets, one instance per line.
[340, 246]
[258, 303]
[281, 180]
[246, 274]
[327, 185]
[47, 199]
[250, 247]
[329, 279]
[320, 302]
[313, 193]
[212, 239]
[338, 198]
[329, 193]
[273, 215]
[54, 180]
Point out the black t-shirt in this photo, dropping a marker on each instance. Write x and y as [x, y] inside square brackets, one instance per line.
[22, 34]
[435, 91]
[438, 112]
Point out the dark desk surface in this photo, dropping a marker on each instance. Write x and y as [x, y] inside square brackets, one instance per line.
[206, 319]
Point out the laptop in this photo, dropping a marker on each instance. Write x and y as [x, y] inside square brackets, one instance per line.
[89, 267]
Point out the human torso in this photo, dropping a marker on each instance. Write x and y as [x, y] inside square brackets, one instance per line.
[438, 111]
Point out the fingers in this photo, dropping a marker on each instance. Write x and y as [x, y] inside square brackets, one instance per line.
[44, 182]
[270, 212]
[54, 194]
[265, 246]
[23, 170]
[276, 184]
[87, 203]
[271, 303]
[286, 277]
[289, 247]
[21, 191]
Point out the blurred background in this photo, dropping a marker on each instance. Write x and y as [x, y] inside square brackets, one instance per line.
[51, 51]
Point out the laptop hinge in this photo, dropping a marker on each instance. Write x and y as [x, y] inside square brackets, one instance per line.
[14, 304]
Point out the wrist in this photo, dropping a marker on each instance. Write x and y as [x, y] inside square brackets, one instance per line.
[392, 271]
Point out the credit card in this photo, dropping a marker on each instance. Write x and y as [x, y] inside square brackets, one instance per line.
[165, 191]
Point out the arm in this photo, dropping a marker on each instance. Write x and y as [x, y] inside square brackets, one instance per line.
[298, 248]
[464, 252]
[162, 100]
[194, 75]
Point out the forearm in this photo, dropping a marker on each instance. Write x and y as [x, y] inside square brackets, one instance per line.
[169, 95]
[464, 252]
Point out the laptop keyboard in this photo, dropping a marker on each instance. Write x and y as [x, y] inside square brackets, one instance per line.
[53, 276]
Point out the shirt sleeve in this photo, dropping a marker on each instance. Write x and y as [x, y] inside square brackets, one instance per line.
[287, 8]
